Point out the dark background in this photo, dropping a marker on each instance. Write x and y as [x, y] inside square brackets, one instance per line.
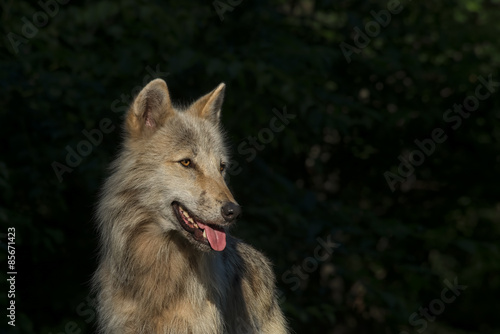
[321, 177]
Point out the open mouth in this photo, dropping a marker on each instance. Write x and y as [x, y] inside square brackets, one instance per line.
[209, 234]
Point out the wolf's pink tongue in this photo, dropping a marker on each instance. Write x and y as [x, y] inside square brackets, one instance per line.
[216, 238]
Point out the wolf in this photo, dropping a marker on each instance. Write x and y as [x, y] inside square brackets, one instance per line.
[167, 263]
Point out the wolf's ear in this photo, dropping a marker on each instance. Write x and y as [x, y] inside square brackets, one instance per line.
[209, 106]
[149, 110]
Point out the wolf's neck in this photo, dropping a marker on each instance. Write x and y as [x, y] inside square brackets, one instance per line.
[163, 269]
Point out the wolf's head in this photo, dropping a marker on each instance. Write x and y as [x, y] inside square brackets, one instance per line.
[176, 163]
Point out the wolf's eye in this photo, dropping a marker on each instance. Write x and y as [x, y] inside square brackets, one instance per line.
[222, 167]
[186, 162]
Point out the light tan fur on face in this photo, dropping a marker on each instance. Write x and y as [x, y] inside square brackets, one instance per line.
[153, 277]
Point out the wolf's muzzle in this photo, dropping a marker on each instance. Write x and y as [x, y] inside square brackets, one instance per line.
[230, 211]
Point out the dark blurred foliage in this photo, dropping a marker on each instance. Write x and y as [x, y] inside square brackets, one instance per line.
[321, 177]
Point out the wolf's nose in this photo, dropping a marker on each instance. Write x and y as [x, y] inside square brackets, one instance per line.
[230, 211]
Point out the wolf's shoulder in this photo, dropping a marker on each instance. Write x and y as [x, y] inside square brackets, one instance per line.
[253, 289]
[247, 261]
[248, 253]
